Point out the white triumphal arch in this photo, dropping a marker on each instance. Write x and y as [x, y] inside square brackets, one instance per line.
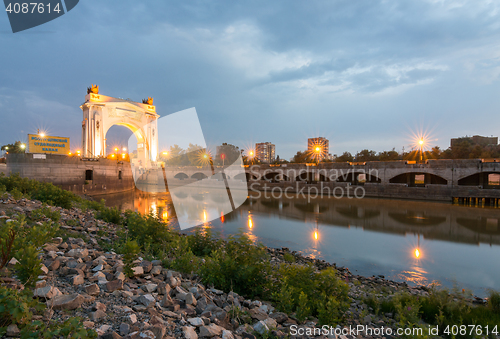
[100, 112]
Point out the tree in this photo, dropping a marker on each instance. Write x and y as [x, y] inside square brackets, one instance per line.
[227, 154]
[177, 156]
[366, 155]
[436, 152]
[301, 157]
[17, 147]
[195, 154]
[388, 155]
[345, 157]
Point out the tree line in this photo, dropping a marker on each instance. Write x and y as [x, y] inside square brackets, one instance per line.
[464, 149]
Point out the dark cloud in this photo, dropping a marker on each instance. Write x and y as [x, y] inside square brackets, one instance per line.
[261, 70]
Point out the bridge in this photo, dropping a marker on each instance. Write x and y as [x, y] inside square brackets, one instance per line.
[471, 181]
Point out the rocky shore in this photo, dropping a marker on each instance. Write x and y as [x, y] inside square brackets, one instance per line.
[81, 279]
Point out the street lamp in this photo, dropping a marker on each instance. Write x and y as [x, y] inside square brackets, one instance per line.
[317, 149]
[421, 143]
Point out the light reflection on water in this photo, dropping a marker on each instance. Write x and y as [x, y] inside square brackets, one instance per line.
[455, 244]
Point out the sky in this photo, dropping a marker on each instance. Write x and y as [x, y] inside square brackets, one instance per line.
[364, 74]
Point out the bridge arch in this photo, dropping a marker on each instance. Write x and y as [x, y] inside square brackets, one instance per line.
[305, 176]
[359, 177]
[181, 176]
[489, 179]
[418, 179]
[274, 176]
[199, 176]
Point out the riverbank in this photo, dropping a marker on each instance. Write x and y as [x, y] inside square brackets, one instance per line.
[84, 277]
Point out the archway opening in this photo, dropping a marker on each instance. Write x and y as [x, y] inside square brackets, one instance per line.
[181, 176]
[199, 176]
[117, 139]
[483, 179]
[416, 179]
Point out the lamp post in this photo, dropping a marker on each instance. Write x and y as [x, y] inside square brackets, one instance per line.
[318, 153]
[421, 143]
[250, 157]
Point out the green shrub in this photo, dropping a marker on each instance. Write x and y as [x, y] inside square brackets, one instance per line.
[288, 257]
[112, 215]
[130, 252]
[322, 294]
[18, 307]
[45, 192]
[16, 194]
[45, 211]
[202, 243]
[494, 301]
[25, 247]
[29, 267]
[303, 308]
[240, 266]
[147, 230]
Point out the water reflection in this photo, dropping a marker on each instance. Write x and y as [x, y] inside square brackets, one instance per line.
[250, 230]
[417, 242]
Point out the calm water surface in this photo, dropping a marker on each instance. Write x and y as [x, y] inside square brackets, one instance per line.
[416, 242]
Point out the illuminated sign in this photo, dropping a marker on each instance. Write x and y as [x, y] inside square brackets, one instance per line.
[47, 144]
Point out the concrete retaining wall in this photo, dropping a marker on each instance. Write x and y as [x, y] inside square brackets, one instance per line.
[101, 176]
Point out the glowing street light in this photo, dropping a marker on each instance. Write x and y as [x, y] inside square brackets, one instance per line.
[124, 149]
[421, 143]
[23, 146]
[164, 153]
[318, 151]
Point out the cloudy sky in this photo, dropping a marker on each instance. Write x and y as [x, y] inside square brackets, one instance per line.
[365, 74]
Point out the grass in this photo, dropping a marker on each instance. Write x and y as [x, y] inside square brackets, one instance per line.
[440, 307]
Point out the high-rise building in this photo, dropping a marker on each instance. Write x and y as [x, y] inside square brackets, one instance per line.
[265, 152]
[319, 148]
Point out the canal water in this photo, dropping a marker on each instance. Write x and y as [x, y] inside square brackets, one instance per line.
[413, 241]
